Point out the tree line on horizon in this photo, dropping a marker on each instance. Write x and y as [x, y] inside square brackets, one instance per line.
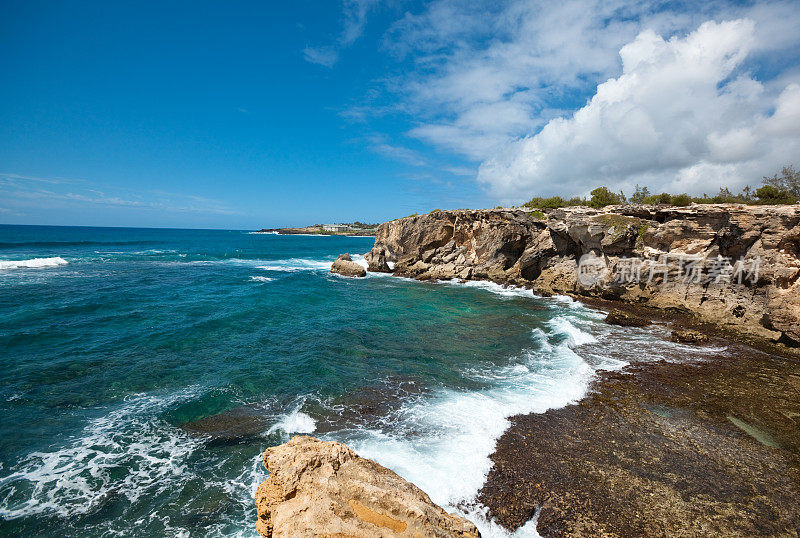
[783, 189]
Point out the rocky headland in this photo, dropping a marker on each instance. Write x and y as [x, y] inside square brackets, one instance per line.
[735, 266]
[672, 448]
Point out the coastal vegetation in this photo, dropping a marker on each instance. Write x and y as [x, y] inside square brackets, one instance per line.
[783, 188]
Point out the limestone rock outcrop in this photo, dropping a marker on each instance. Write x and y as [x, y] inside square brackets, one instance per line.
[734, 265]
[318, 488]
[689, 337]
[344, 265]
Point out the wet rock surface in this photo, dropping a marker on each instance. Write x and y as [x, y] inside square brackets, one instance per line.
[236, 425]
[760, 296]
[321, 488]
[625, 319]
[688, 336]
[665, 449]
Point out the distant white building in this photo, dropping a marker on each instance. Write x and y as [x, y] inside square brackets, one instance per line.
[335, 227]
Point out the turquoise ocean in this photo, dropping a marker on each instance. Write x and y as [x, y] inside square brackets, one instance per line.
[145, 370]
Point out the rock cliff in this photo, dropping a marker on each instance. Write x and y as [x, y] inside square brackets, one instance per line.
[318, 488]
[733, 265]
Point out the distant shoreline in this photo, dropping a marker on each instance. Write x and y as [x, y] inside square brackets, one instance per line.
[319, 230]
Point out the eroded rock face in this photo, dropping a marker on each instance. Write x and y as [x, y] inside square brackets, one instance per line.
[542, 252]
[344, 265]
[321, 488]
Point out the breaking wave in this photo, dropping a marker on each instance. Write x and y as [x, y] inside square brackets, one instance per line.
[33, 263]
[296, 264]
[442, 441]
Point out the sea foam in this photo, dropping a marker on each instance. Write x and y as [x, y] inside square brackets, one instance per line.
[77, 478]
[497, 289]
[575, 336]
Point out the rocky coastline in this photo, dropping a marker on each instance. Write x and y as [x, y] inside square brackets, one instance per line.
[731, 265]
[677, 447]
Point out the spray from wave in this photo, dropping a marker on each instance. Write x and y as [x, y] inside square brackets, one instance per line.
[294, 422]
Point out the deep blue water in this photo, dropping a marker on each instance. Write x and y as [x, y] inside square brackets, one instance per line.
[113, 342]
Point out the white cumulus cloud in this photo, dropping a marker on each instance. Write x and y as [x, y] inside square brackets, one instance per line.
[682, 116]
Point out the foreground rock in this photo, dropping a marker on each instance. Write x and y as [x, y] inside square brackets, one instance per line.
[321, 488]
[732, 265]
[344, 265]
[664, 449]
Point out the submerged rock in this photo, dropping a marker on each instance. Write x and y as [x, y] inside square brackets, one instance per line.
[344, 265]
[688, 337]
[626, 319]
[318, 488]
[235, 425]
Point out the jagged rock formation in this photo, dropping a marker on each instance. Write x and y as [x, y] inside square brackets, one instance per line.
[734, 265]
[318, 488]
[344, 265]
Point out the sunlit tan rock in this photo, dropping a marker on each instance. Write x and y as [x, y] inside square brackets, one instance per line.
[318, 488]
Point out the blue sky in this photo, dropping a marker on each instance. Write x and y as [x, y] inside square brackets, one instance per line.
[243, 115]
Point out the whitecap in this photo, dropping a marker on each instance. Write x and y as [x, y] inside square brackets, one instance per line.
[293, 265]
[33, 263]
[574, 304]
[359, 259]
[262, 279]
[493, 287]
